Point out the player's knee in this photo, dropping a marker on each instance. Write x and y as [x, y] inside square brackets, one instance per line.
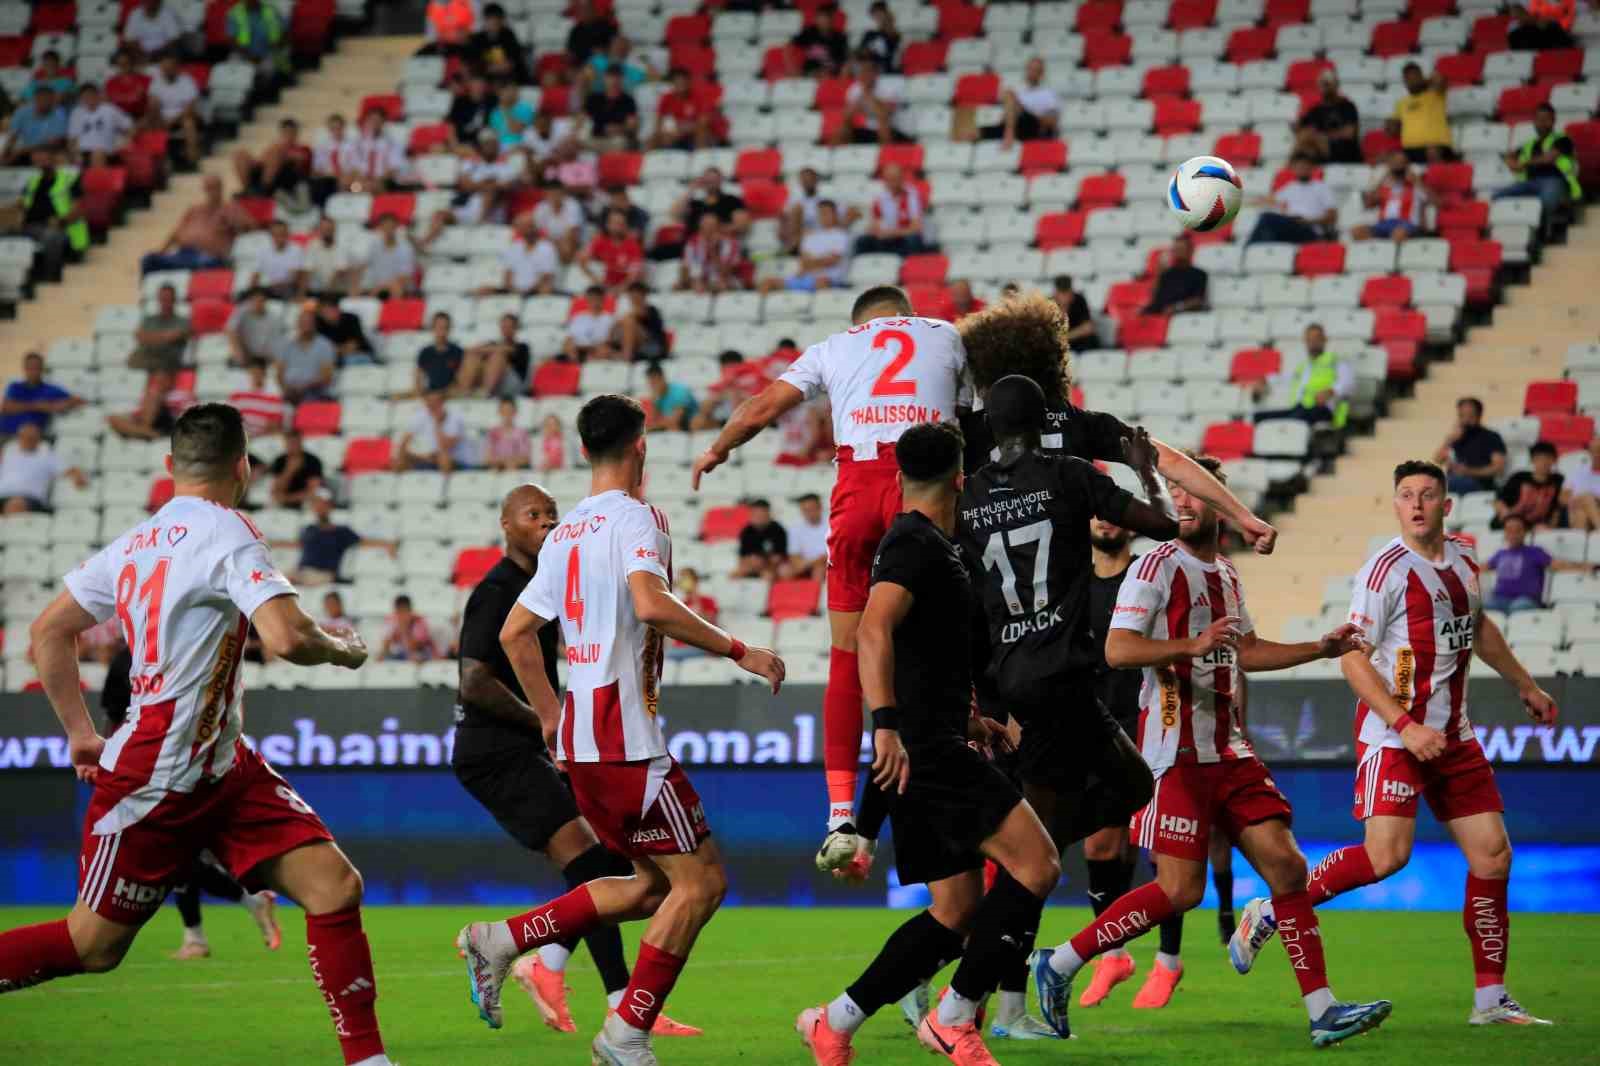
[1287, 872]
[103, 957]
[342, 891]
[1102, 847]
[704, 893]
[1492, 863]
[1185, 895]
[1042, 874]
[1388, 858]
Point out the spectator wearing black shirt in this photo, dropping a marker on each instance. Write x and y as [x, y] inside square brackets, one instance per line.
[296, 474]
[617, 199]
[882, 42]
[763, 543]
[495, 49]
[613, 114]
[1536, 30]
[823, 45]
[1181, 286]
[323, 543]
[343, 331]
[639, 334]
[439, 364]
[1473, 456]
[1330, 132]
[472, 101]
[591, 32]
[1081, 333]
[708, 194]
[501, 366]
[1533, 495]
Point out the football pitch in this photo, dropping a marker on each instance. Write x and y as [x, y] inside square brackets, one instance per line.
[754, 969]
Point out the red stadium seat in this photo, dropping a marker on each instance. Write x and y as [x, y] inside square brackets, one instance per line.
[556, 99]
[53, 18]
[764, 197]
[1229, 440]
[472, 564]
[1125, 298]
[793, 599]
[368, 455]
[1102, 190]
[1143, 331]
[1395, 38]
[1063, 229]
[556, 378]
[1404, 360]
[1396, 324]
[1318, 258]
[1254, 364]
[162, 489]
[317, 419]
[1557, 65]
[908, 157]
[1288, 12]
[14, 51]
[1173, 115]
[1250, 43]
[1098, 16]
[700, 60]
[1489, 34]
[1106, 50]
[923, 57]
[1165, 81]
[782, 61]
[426, 138]
[261, 208]
[211, 285]
[960, 20]
[1240, 149]
[931, 301]
[398, 316]
[723, 523]
[977, 90]
[393, 105]
[831, 93]
[402, 205]
[110, 180]
[930, 268]
[1191, 14]
[152, 141]
[1462, 219]
[687, 29]
[1449, 181]
[1482, 286]
[1303, 74]
[1386, 290]
[1461, 70]
[1284, 176]
[1474, 254]
[1567, 432]
[1586, 143]
[758, 163]
[1518, 103]
[209, 316]
[1550, 398]
[1042, 157]
[620, 168]
[1375, 144]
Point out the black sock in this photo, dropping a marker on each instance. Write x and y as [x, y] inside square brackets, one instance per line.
[1007, 919]
[187, 897]
[873, 810]
[215, 880]
[1108, 882]
[1223, 879]
[1172, 935]
[912, 954]
[1015, 978]
[605, 943]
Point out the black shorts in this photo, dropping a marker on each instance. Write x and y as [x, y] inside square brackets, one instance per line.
[955, 801]
[519, 785]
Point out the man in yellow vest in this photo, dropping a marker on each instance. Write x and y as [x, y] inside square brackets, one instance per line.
[1322, 385]
[1547, 166]
[51, 215]
[257, 31]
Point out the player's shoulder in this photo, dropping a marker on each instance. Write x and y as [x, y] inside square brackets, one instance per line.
[1157, 566]
[1392, 558]
[1465, 550]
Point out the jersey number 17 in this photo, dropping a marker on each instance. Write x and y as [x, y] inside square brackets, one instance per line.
[997, 557]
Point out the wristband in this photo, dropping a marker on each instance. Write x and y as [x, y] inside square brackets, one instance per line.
[886, 717]
[737, 649]
[1402, 722]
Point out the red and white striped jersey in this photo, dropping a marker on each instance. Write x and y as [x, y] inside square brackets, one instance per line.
[883, 377]
[1421, 617]
[183, 585]
[613, 659]
[1187, 712]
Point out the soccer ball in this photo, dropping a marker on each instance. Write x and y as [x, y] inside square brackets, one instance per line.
[1205, 193]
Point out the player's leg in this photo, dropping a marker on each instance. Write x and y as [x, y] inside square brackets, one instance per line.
[1167, 969]
[1222, 880]
[82, 942]
[1105, 852]
[842, 717]
[187, 899]
[209, 877]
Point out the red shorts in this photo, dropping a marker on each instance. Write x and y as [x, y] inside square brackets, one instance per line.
[1191, 798]
[866, 497]
[1456, 784]
[249, 816]
[640, 808]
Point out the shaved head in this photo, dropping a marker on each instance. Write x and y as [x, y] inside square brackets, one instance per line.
[527, 515]
[526, 495]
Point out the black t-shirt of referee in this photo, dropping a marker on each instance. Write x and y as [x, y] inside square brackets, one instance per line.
[487, 609]
[932, 665]
[1118, 689]
[1068, 430]
[1024, 527]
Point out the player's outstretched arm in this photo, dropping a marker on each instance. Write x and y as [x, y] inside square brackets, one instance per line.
[1421, 740]
[1192, 477]
[887, 606]
[519, 636]
[55, 655]
[1258, 656]
[749, 418]
[1492, 648]
[287, 632]
[658, 607]
[1127, 649]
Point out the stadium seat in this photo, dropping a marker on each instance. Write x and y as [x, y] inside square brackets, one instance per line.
[1250, 44]
[1041, 157]
[1550, 397]
[1319, 257]
[1165, 81]
[1102, 190]
[926, 269]
[1191, 14]
[957, 20]
[620, 168]
[1557, 65]
[1461, 70]
[977, 90]
[1254, 364]
[1287, 12]
[1396, 324]
[923, 57]
[209, 316]
[723, 523]
[1102, 50]
[793, 599]
[1143, 331]
[317, 419]
[556, 378]
[1176, 116]
[1063, 229]
[367, 455]
[764, 198]
[1395, 38]
[471, 564]
[1387, 290]
[1241, 149]
[1566, 431]
[1517, 103]
[401, 315]
[1228, 440]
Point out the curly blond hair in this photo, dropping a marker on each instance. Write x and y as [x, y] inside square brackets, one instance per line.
[1022, 334]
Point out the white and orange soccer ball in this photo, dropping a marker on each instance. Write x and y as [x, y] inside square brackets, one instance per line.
[1205, 193]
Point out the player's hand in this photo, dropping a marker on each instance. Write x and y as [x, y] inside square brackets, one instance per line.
[355, 652]
[764, 662]
[85, 754]
[1223, 633]
[989, 733]
[1539, 705]
[891, 766]
[1139, 451]
[1261, 536]
[706, 462]
[1347, 638]
[1423, 741]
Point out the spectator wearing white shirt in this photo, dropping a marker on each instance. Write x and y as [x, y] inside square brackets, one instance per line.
[28, 471]
[541, 138]
[1399, 198]
[152, 28]
[1304, 209]
[480, 187]
[327, 262]
[824, 253]
[589, 328]
[96, 129]
[1581, 493]
[435, 439]
[800, 209]
[371, 161]
[175, 96]
[1032, 109]
[875, 104]
[531, 262]
[895, 224]
[326, 159]
[560, 218]
[390, 269]
[808, 541]
[281, 267]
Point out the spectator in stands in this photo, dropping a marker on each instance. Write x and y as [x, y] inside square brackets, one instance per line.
[253, 330]
[1541, 24]
[614, 257]
[344, 331]
[390, 270]
[618, 55]
[708, 194]
[613, 114]
[42, 124]
[28, 471]
[895, 223]
[334, 620]
[1532, 495]
[590, 327]
[577, 169]
[872, 111]
[259, 403]
[1473, 455]
[176, 98]
[806, 435]
[638, 218]
[808, 541]
[530, 262]
[962, 301]
[1304, 208]
[689, 591]
[439, 364]
[494, 48]
[1032, 108]
[823, 45]
[1321, 387]
[507, 446]
[1519, 570]
[296, 475]
[1420, 119]
[541, 139]
[560, 218]
[259, 36]
[327, 263]
[327, 159]
[669, 405]
[500, 367]
[435, 439]
[407, 637]
[1081, 333]
[162, 342]
[713, 259]
[1399, 198]
[1581, 495]
[638, 332]
[97, 130]
[283, 168]
[204, 235]
[281, 266]
[736, 382]
[472, 101]
[484, 181]
[511, 116]
[882, 42]
[32, 399]
[448, 26]
[128, 87]
[683, 118]
[52, 214]
[52, 75]
[591, 31]
[1180, 286]
[371, 161]
[1546, 166]
[149, 420]
[552, 445]
[824, 254]
[763, 543]
[306, 362]
[800, 211]
[153, 28]
[1330, 132]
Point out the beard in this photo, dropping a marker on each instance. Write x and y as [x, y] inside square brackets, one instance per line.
[1205, 532]
[1111, 545]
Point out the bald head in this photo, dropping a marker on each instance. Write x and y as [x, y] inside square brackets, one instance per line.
[527, 515]
[526, 495]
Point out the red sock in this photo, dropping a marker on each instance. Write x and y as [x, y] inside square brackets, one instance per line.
[1339, 872]
[1132, 915]
[566, 917]
[841, 728]
[1302, 940]
[341, 963]
[654, 973]
[1488, 924]
[34, 954]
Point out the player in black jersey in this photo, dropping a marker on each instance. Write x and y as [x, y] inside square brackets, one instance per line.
[951, 807]
[502, 757]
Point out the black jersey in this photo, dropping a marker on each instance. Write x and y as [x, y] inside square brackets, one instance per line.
[1068, 430]
[1117, 689]
[1024, 527]
[486, 612]
[932, 644]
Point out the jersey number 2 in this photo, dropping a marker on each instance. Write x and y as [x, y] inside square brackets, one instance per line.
[889, 383]
[573, 601]
[996, 557]
[151, 592]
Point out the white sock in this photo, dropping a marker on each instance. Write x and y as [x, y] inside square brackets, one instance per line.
[554, 957]
[844, 1016]
[1318, 1002]
[956, 1009]
[194, 934]
[839, 814]
[614, 999]
[375, 1060]
[1012, 1005]
[1065, 961]
[1267, 912]
[1171, 962]
[620, 1032]
[1487, 996]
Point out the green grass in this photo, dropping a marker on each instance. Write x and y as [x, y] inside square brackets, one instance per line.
[754, 969]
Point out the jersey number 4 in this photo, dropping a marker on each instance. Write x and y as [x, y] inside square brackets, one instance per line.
[572, 605]
[128, 590]
[996, 557]
[889, 382]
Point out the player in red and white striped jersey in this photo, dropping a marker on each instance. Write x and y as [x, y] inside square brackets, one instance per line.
[176, 779]
[1180, 615]
[890, 371]
[1419, 603]
[605, 572]
[262, 406]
